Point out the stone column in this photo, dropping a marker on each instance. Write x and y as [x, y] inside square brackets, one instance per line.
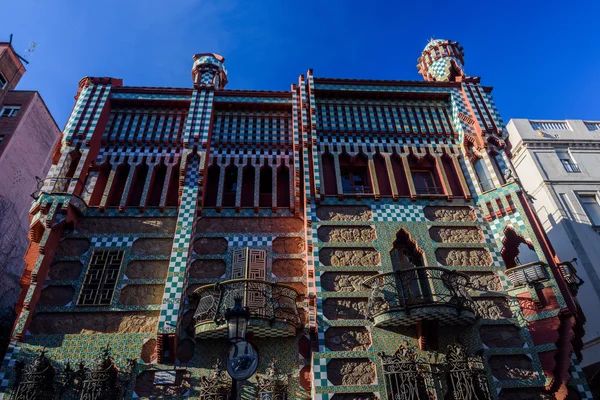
[440, 168]
[461, 177]
[373, 173]
[408, 176]
[292, 183]
[238, 188]
[392, 177]
[338, 174]
[149, 176]
[257, 186]
[274, 188]
[165, 188]
[75, 186]
[109, 182]
[221, 186]
[123, 202]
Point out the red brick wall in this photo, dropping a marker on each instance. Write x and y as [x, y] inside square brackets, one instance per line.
[9, 124]
[11, 67]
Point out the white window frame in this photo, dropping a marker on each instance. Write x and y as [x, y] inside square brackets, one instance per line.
[3, 79]
[567, 161]
[595, 222]
[484, 178]
[10, 111]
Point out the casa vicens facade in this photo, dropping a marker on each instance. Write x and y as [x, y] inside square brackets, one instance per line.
[371, 230]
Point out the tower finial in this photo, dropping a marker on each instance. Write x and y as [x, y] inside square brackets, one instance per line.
[209, 71]
[441, 61]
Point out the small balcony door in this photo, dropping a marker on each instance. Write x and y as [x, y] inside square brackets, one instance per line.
[414, 284]
[251, 264]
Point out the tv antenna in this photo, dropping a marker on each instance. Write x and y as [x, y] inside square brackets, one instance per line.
[28, 52]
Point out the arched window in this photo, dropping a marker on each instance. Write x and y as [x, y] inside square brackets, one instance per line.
[383, 177]
[328, 173]
[354, 173]
[100, 185]
[230, 186]
[425, 175]
[406, 257]
[156, 187]
[483, 174]
[400, 176]
[68, 171]
[453, 175]
[211, 189]
[495, 158]
[265, 193]
[283, 186]
[405, 253]
[248, 186]
[173, 189]
[74, 158]
[118, 185]
[516, 250]
[137, 186]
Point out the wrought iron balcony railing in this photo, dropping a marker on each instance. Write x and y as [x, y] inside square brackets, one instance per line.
[527, 273]
[273, 302]
[407, 296]
[357, 189]
[429, 190]
[486, 185]
[569, 274]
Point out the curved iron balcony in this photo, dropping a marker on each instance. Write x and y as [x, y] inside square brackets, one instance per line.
[526, 274]
[569, 274]
[403, 298]
[273, 310]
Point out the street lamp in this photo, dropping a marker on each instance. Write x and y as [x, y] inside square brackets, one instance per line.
[242, 358]
[237, 321]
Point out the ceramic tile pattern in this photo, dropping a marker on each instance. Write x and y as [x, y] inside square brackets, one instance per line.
[197, 127]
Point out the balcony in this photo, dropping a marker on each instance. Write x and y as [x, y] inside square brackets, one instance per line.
[569, 274]
[485, 185]
[403, 298]
[527, 274]
[272, 308]
[429, 190]
[356, 189]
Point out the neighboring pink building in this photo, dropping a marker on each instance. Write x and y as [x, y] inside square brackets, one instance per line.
[28, 134]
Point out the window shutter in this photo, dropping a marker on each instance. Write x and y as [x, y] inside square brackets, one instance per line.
[257, 264]
[239, 263]
[249, 264]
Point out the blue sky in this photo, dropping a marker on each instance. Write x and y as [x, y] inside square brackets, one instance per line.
[542, 58]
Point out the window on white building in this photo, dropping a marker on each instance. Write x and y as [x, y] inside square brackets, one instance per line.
[3, 81]
[590, 205]
[567, 161]
[9, 111]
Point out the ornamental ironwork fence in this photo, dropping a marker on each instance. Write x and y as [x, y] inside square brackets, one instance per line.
[266, 300]
[216, 385]
[273, 385]
[417, 287]
[103, 381]
[455, 376]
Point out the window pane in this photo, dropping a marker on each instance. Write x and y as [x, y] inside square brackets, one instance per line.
[423, 181]
[485, 180]
[592, 209]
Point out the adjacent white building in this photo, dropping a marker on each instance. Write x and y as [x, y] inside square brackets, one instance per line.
[558, 163]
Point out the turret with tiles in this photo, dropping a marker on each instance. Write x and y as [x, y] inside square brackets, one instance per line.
[373, 229]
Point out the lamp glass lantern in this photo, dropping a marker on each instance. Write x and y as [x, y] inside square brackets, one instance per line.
[237, 321]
